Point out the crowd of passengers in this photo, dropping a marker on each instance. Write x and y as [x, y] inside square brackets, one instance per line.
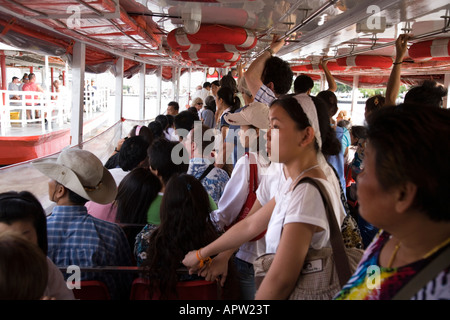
[203, 193]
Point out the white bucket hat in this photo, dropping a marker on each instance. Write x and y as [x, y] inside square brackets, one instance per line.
[82, 172]
[255, 114]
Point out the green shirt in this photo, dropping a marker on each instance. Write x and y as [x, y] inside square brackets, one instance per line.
[153, 211]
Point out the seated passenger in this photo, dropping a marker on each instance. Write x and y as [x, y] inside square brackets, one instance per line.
[133, 154]
[171, 129]
[156, 129]
[24, 268]
[22, 212]
[201, 162]
[403, 191]
[208, 113]
[75, 237]
[135, 194]
[163, 165]
[137, 130]
[183, 123]
[185, 225]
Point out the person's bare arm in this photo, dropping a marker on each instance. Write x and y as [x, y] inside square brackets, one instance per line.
[282, 276]
[240, 233]
[255, 70]
[219, 265]
[332, 86]
[393, 85]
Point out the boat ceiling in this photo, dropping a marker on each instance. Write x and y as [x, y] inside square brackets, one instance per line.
[230, 32]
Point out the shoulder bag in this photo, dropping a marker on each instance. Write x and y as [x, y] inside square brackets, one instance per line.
[205, 173]
[324, 271]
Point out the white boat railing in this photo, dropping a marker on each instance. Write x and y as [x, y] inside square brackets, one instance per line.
[95, 100]
[36, 107]
[33, 107]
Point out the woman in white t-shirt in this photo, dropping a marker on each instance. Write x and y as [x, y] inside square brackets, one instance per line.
[295, 219]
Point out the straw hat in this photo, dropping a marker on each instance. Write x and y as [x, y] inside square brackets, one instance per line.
[255, 114]
[82, 172]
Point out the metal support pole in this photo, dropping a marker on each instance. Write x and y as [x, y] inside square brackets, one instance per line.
[119, 89]
[78, 67]
[45, 74]
[51, 80]
[174, 85]
[178, 84]
[355, 94]
[158, 89]
[3, 66]
[446, 102]
[189, 85]
[142, 92]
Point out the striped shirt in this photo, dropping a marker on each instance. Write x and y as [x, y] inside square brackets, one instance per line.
[77, 238]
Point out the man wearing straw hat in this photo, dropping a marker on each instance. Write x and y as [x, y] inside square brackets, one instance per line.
[75, 237]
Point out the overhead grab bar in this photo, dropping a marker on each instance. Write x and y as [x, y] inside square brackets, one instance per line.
[389, 44]
[308, 19]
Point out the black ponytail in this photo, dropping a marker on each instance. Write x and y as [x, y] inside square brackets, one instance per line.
[330, 143]
[230, 98]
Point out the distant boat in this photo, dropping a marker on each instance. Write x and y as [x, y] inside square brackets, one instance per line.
[47, 131]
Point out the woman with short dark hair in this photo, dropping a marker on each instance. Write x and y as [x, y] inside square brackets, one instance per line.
[403, 190]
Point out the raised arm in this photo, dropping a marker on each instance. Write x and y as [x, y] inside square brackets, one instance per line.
[255, 70]
[393, 85]
[330, 79]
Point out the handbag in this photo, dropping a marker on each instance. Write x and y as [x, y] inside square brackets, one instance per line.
[325, 271]
[349, 229]
[251, 198]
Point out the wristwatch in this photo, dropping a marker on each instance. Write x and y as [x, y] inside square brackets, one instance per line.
[270, 50]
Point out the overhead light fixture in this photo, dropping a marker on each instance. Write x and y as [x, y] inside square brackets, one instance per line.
[192, 18]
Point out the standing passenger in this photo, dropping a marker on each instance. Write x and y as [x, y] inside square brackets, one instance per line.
[295, 219]
[403, 191]
[268, 77]
[173, 108]
[31, 85]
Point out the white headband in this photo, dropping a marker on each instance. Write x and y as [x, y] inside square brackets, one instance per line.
[309, 108]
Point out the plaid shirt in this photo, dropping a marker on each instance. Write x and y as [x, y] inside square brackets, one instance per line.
[265, 95]
[77, 238]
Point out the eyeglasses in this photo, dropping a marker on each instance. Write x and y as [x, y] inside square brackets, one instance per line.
[199, 103]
